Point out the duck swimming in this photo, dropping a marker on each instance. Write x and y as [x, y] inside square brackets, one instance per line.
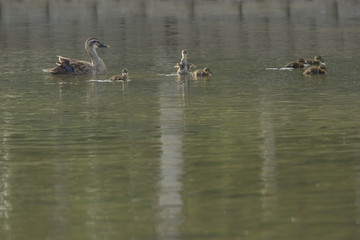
[316, 61]
[298, 64]
[315, 70]
[202, 73]
[183, 67]
[74, 66]
[123, 76]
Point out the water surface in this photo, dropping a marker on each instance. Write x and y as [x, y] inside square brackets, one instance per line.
[249, 153]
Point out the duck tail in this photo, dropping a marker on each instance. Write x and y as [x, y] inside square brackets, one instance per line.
[60, 69]
[63, 66]
[47, 70]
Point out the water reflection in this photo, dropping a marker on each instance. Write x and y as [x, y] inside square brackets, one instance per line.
[5, 175]
[171, 166]
[182, 84]
[269, 170]
[357, 196]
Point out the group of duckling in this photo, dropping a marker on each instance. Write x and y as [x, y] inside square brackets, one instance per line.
[183, 67]
[97, 66]
[316, 65]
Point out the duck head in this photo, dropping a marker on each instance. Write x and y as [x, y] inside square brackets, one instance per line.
[322, 69]
[318, 58]
[301, 61]
[184, 53]
[94, 43]
[124, 72]
[207, 71]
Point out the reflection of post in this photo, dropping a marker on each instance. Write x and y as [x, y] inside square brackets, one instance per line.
[5, 174]
[268, 172]
[92, 93]
[357, 200]
[170, 202]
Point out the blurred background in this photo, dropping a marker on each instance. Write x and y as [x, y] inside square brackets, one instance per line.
[258, 30]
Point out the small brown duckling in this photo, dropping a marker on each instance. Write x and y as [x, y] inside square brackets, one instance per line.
[316, 61]
[183, 67]
[202, 73]
[321, 69]
[298, 64]
[123, 76]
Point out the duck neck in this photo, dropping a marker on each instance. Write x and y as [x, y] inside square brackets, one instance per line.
[184, 58]
[94, 57]
[96, 62]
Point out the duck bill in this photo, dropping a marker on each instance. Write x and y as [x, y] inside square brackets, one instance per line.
[103, 45]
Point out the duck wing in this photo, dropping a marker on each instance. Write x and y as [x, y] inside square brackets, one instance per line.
[68, 65]
[311, 70]
[291, 65]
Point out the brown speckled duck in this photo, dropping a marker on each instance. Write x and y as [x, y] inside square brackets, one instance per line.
[183, 67]
[298, 64]
[321, 69]
[202, 73]
[74, 66]
[316, 61]
[122, 77]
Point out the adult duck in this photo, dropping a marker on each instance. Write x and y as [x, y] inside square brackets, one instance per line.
[73, 66]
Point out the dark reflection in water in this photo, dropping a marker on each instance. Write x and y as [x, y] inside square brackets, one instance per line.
[247, 153]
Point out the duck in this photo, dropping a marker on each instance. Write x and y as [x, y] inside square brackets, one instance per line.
[321, 69]
[316, 61]
[298, 64]
[183, 67]
[202, 73]
[122, 77]
[73, 66]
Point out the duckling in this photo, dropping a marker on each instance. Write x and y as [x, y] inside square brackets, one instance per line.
[202, 73]
[70, 65]
[183, 67]
[321, 69]
[123, 76]
[298, 64]
[316, 61]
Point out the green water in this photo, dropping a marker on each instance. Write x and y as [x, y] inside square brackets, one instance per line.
[250, 153]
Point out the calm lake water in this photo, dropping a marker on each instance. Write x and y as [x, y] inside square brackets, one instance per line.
[250, 153]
